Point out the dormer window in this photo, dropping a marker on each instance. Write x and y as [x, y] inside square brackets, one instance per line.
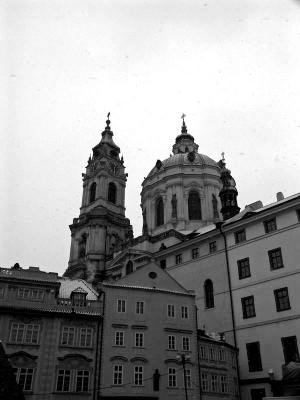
[78, 297]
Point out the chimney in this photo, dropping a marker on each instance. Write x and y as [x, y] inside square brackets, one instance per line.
[279, 196]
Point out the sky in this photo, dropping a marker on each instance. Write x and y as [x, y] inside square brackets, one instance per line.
[231, 66]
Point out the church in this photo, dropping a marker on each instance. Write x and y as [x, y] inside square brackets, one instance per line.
[243, 266]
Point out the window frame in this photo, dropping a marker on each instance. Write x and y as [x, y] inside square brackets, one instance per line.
[64, 375]
[138, 375]
[171, 342]
[282, 305]
[186, 343]
[275, 259]
[139, 340]
[28, 377]
[284, 343]
[247, 308]
[118, 371]
[172, 377]
[140, 307]
[84, 380]
[184, 312]
[178, 259]
[66, 331]
[22, 331]
[212, 247]
[209, 297]
[254, 365]
[119, 339]
[88, 337]
[244, 268]
[195, 253]
[240, 236]
[270, 225]
[171, 310]
[121, 306]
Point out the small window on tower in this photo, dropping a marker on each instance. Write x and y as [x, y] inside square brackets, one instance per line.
[112, 193]
[159, 212]
[82, 246]
[93, 188]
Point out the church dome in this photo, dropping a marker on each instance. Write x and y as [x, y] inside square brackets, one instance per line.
[182, 191]
[184, 159]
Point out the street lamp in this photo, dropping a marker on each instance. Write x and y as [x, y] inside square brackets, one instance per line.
[183, 359]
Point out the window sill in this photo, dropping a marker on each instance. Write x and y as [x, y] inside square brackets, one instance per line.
[275, 269]
[284, 309]
[23, 344]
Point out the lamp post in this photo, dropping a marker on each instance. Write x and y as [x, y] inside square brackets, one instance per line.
[183, 359]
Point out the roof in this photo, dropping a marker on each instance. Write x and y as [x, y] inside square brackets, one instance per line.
[70, 285]
[32, 274]
[182, 159]
[249, 211]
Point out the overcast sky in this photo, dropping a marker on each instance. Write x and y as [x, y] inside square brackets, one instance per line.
[232, 66]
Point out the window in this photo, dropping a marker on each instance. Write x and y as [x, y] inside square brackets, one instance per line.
[244, 268]
[171, 310]
[204, 382]
[24, 378]
[186, 343]
[30, 294]
[254, 359]
[298, 215]
[222, 355]
[214, 383]
[68, 336]
[172, 378]
[184, 312]
[209, 294]
[240, 236]
[119, 338]
[78, 299]
[121, 306]
[195, 253]
[212, 353]
[24, 333]
[248, 307]
[85, 337]
[178, 259]
[118, 375]
[282, 299]
[82, 246]
[63, 380]
[213, 247]
[139, 307]
[290, 349]
[188, 377]
[93, 188]
[129, 267]
[171, 342]
[139, 339]
[224, 384]
[203, 352]
[159, 211]
[163, 264]
[275, 258]
[82, 381]
[138, 375]
[112, 193]
[270, 225]
[194, 205]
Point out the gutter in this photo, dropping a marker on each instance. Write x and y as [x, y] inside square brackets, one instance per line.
[219, 226]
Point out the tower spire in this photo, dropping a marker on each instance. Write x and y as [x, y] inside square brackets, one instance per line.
[183, 128]
[107, 128]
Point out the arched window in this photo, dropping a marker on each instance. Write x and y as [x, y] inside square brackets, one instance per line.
[129, 267]
[194, 205]
[209, 294]
[93, 192]
[159, 212]
[112, 193]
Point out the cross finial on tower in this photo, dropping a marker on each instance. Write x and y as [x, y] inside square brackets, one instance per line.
[108, 122]
[223, 156]
[183, 128]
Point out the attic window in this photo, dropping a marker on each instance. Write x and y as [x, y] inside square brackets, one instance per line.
[78, 299]
[152, 275]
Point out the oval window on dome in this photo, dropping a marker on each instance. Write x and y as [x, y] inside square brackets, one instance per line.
[194, 205]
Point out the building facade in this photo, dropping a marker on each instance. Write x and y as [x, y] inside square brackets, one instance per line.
[50, 330]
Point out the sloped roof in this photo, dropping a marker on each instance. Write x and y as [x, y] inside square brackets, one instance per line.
[70, 285]
[150, 277]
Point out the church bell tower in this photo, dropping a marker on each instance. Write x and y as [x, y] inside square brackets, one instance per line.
[228, 194]
[101, 228]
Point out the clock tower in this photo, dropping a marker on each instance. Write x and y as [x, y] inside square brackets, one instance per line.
[102, 227]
